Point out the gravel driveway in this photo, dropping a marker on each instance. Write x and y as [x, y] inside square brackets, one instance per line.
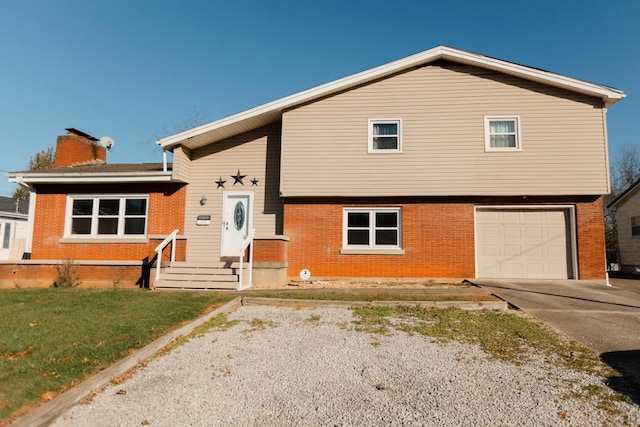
[309, 367]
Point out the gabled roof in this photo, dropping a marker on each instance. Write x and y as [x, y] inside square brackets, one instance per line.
[272, 111]
[622, 197]
[104, 173]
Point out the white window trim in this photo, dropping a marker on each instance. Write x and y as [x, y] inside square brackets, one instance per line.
[371, 248]
[370, 135]
[487, 136]
[94, 236]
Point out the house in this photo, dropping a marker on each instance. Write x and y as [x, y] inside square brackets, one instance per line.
[13, 228]
[444, 164]
[626, 211]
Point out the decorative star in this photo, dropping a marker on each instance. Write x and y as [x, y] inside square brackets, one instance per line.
[220, 183]
[254, 181]
[237, 178]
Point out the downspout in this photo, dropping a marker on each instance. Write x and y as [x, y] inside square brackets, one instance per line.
[164, 160]
[608, 172]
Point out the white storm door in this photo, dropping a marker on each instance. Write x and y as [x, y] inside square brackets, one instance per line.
[237, 220]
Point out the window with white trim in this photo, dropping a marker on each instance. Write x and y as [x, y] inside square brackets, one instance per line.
[385, 135]
[372, 228]
[106, 216]
[502, 133]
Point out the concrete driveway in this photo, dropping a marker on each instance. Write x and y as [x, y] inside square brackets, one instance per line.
[605, 319]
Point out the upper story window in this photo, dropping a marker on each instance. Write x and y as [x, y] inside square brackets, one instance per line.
[385, 135]
[502, 133]
[371, 228]
[635, 225]
[106, 216]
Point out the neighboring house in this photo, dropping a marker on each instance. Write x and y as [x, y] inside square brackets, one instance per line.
[444, 164]
[626, 208]
[14, 230]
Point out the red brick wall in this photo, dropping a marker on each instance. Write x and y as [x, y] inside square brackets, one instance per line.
[438, 240]
[77, 150]
[270, 250]
[32, 274]
[165, 213]
[591, 246]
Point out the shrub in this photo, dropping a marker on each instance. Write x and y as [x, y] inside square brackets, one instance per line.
[67, 275]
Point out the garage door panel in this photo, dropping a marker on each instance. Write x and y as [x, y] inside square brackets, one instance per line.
[489, 232]
[511, 251]
[512, 270]
[535, 271]
[520, 243]
[536, 251]
[512, 232]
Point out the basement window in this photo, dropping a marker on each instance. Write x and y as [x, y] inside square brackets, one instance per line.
[106, 216]
[372, 228]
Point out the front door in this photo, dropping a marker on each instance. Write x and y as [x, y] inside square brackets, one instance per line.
[237, 220]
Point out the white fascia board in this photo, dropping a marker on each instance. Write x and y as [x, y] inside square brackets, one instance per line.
[87, 178]
[269, 112]
[12, 215]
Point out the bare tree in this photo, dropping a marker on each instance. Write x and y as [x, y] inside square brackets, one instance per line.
[625, 171]
[45, 159]
[625, 168]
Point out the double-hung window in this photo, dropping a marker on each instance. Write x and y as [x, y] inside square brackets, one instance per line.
[385, 135]
[372, 228]
[502, 133]
[107, 216]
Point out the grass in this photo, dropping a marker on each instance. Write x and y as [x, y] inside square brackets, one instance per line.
[504, 336]
[351, 295]
[50, 339]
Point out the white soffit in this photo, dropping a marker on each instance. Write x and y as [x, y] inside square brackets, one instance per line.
[271, 112]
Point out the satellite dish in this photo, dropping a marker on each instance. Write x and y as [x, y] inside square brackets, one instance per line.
[107, 142]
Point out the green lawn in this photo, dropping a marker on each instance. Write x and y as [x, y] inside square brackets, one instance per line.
[52, 338]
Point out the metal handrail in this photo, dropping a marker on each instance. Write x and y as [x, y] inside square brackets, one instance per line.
[246, 242]
[171, 238]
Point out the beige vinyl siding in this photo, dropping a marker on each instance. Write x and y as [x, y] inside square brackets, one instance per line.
[182, 164]
[629, 245]
[442, 108]
[255, 154]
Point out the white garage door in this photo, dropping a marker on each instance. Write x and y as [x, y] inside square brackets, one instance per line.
[522, 244]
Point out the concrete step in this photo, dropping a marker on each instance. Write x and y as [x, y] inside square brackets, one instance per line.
[200, 285]
[194, 275]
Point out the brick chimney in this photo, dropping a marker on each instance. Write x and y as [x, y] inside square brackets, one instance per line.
[78, 148]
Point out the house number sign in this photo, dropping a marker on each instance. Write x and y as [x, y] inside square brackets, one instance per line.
[203, 220]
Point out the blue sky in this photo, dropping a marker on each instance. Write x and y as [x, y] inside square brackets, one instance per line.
[139, 69]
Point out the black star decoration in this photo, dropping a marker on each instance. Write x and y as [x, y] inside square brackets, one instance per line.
[220, 183]
[254, 181]
[237, 178]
